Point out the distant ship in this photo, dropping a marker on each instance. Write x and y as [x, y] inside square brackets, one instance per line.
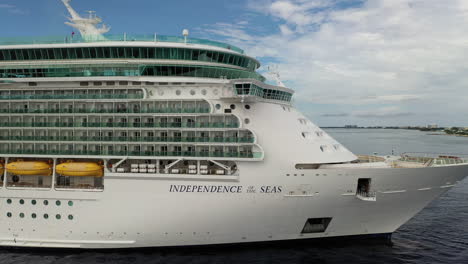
[119, 141]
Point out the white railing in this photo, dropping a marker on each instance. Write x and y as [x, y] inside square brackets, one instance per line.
[435, 159]
[367, 196]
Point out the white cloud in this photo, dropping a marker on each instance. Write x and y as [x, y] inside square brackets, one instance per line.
[408, 54]
[12, 9]
[384, 112]
[6, 6]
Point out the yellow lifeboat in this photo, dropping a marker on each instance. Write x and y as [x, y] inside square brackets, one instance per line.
[2, 169]
[38, 168]
[80, 169]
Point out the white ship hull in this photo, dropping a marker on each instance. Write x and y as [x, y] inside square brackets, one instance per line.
[137, 212]
[122, 142]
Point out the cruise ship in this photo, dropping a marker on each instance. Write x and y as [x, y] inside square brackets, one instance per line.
[123, 141]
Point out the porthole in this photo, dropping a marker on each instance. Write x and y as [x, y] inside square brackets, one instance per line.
[21, 215]
[46, 202]
[8, 214]
[57, 216]
[33, 215]
[70, 203]
[246, 121]
[247, 107]
[33, 202]
[8, 201]
[218, 106]
[21, 201]
[192, 92]
[58, 203]
[233, 106]
[70, 217]
[203, 92]
[46, 216]
[177, 92]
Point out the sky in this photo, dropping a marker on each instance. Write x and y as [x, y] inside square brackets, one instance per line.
[363, 62]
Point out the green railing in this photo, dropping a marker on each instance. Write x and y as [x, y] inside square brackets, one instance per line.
[121, 125]
[126, 69]
[131, 139]
[247, 155]
[107, 111]
[114, 37]
[71, 96]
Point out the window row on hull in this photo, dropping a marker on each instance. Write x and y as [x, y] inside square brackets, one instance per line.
[159, 53]
[52, 71]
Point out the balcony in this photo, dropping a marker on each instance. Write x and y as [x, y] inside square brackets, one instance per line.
[218, 154]
[71, 96]
[131, 139]
[123, 124]
[201, 110]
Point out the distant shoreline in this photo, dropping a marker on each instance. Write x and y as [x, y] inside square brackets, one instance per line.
[442, 131]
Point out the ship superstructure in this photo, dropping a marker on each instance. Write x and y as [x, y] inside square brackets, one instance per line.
[136, 141]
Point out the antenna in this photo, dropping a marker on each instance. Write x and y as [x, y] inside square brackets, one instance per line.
[273, 71]
[92, 14]
[185, 33]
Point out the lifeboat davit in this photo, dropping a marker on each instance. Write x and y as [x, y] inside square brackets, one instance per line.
[80, 169]
[38, 168]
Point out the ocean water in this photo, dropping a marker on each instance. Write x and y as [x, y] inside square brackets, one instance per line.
[438, 234]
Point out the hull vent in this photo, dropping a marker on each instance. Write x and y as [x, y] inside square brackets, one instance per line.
[316, 225]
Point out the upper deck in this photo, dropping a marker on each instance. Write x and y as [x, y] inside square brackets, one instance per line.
[151, 38]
